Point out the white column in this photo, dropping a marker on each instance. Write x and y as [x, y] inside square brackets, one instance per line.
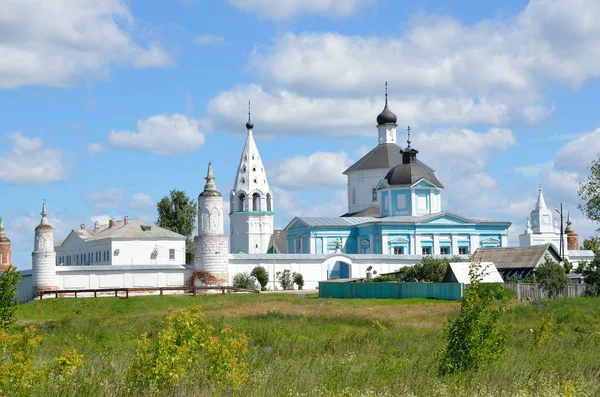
[436, 244]
[371, 242]
[384, 244]
[389, 199]
[313, 245]
[505, 240]
[412, 244]
[454, 243]
[473, 242]
[343, 244]
[418, 250]
[413, 202]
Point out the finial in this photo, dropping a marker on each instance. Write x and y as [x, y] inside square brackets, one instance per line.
[1, 224]
[249, 124]
[386, 93]
[2, 234]
[408, 140]
[210, 179]
[44, 220]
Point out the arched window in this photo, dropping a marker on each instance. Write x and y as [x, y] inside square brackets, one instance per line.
[269, 202]
[256, 202]
[242, 198]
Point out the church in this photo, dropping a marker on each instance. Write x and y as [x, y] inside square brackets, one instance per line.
[394, 207]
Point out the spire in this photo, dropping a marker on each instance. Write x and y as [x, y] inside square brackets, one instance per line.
[2, 232]
[568, 229]
[249, 124]
[44, 220]
[541, 204]
[408, 140]
[210, 189]
[386, 116]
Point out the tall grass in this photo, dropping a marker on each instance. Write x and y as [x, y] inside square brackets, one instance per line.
[305, 346]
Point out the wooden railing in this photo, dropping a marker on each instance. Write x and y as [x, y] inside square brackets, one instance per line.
[126, 291]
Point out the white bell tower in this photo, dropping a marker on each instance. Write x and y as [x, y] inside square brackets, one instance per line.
[251, 202]
[541, 216]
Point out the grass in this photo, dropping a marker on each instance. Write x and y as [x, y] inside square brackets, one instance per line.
[308, 346]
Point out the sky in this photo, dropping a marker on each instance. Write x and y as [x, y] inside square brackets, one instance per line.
[107, 105]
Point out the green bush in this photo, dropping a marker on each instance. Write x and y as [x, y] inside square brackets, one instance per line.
[285, 279]
[591, 276]
[552, 276]
[498, 291]
[262, 276]
[381, 279]
[429, 270]
[243, 280]
[474, 338]
[298, 279]
[9, 281]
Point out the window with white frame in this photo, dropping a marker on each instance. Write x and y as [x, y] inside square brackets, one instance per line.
[374, 193]
[444, 250]
[353, 196]
[398, 251]
[421, 201]
[401, 201]
[171, 254]
[426, 251]
[462, 250]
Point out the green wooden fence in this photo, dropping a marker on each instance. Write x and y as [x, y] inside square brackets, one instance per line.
[394, 290]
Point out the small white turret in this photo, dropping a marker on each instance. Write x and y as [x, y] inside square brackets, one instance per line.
[211, 254]
[44, 256]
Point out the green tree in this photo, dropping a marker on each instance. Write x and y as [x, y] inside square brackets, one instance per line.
[9, 282]
[591, 276]
[568, 266]
[298, 279]
[581, 267]
[551, 275]
[591, 244]
[177, 212]
[243, 280]
[474, 338]
[429, 270]
[589, 192]
[262, 276]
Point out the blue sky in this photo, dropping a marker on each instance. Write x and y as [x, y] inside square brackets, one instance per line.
[107, 105]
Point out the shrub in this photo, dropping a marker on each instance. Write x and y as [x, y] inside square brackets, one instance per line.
[591, 276]
[568, 266]
[285, 279]
[298, 279]
[262, 276]
[243, 280]
[185, 344]
[552, 276]
[474, 338]
[9, 281]
[430, 269]
[581, 267]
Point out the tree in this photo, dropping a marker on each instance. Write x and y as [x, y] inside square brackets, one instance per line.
[177, 212]
[589, 192]
[568, 266]
[9, 282]
[591, 277]
[591, 244]
[429, 270]
[581, 267]
[474, 338]
[551, 275]
[262, 276]
[285, 279]
[298, 280]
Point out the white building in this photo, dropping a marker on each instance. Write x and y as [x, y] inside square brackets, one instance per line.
[251, 202]
[127, 242]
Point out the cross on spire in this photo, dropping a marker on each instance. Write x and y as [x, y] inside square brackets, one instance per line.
[248, 110]
[386, 92]
[408, 140]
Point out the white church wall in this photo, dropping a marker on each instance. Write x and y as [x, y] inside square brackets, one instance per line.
[142, 252]
[362, 183]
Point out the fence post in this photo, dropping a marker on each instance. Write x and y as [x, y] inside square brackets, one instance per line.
[95, 293]
[75, 294]
[126, 292]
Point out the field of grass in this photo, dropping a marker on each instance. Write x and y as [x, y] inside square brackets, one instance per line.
[306, 346]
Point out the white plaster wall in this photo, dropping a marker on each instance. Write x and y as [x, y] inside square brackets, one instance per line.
[211, 255]
[247, 230]
[139, 252]
[44, 259]
[363, 181]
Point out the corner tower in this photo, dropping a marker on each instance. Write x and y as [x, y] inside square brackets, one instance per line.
[210, 246]
[251, 202]
[4, 249]
[44, 257]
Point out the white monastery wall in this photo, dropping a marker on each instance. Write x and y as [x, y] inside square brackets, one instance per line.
[211, 255]
[148, 252]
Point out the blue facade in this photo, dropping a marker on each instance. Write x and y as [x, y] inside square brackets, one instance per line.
[441, 233]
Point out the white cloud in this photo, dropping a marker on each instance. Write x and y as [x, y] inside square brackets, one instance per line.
[208, 39]
[163, 135]
[58, 42]
[285, 9]
[28, 162]
[289, 204]
[95, 148]
[578, 154]
[320, 170]
[114, 198]
[535, 170]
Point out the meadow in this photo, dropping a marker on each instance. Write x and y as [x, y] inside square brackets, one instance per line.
[306, 346]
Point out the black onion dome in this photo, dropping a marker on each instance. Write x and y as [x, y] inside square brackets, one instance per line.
[411, 173]
[386, 116]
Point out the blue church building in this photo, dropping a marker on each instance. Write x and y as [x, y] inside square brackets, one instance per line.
[394, 207]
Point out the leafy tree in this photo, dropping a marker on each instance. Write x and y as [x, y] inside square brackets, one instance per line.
[551, 275]
[177, 212]
[9, 281]
[243, 280]
[591, 276]
[285, 279]
[262, 276]
[589, 192]
[430, 269]
[474, 338]
[298, 279]
[591, 244]
[581, 267]
[568, 266]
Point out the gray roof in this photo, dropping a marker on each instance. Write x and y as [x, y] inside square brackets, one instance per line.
[279, 241]
[133, 230]
[411, 173]
[353, 221]
[372, 211]
[516, 257]
[386, 155]
[589, 253]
